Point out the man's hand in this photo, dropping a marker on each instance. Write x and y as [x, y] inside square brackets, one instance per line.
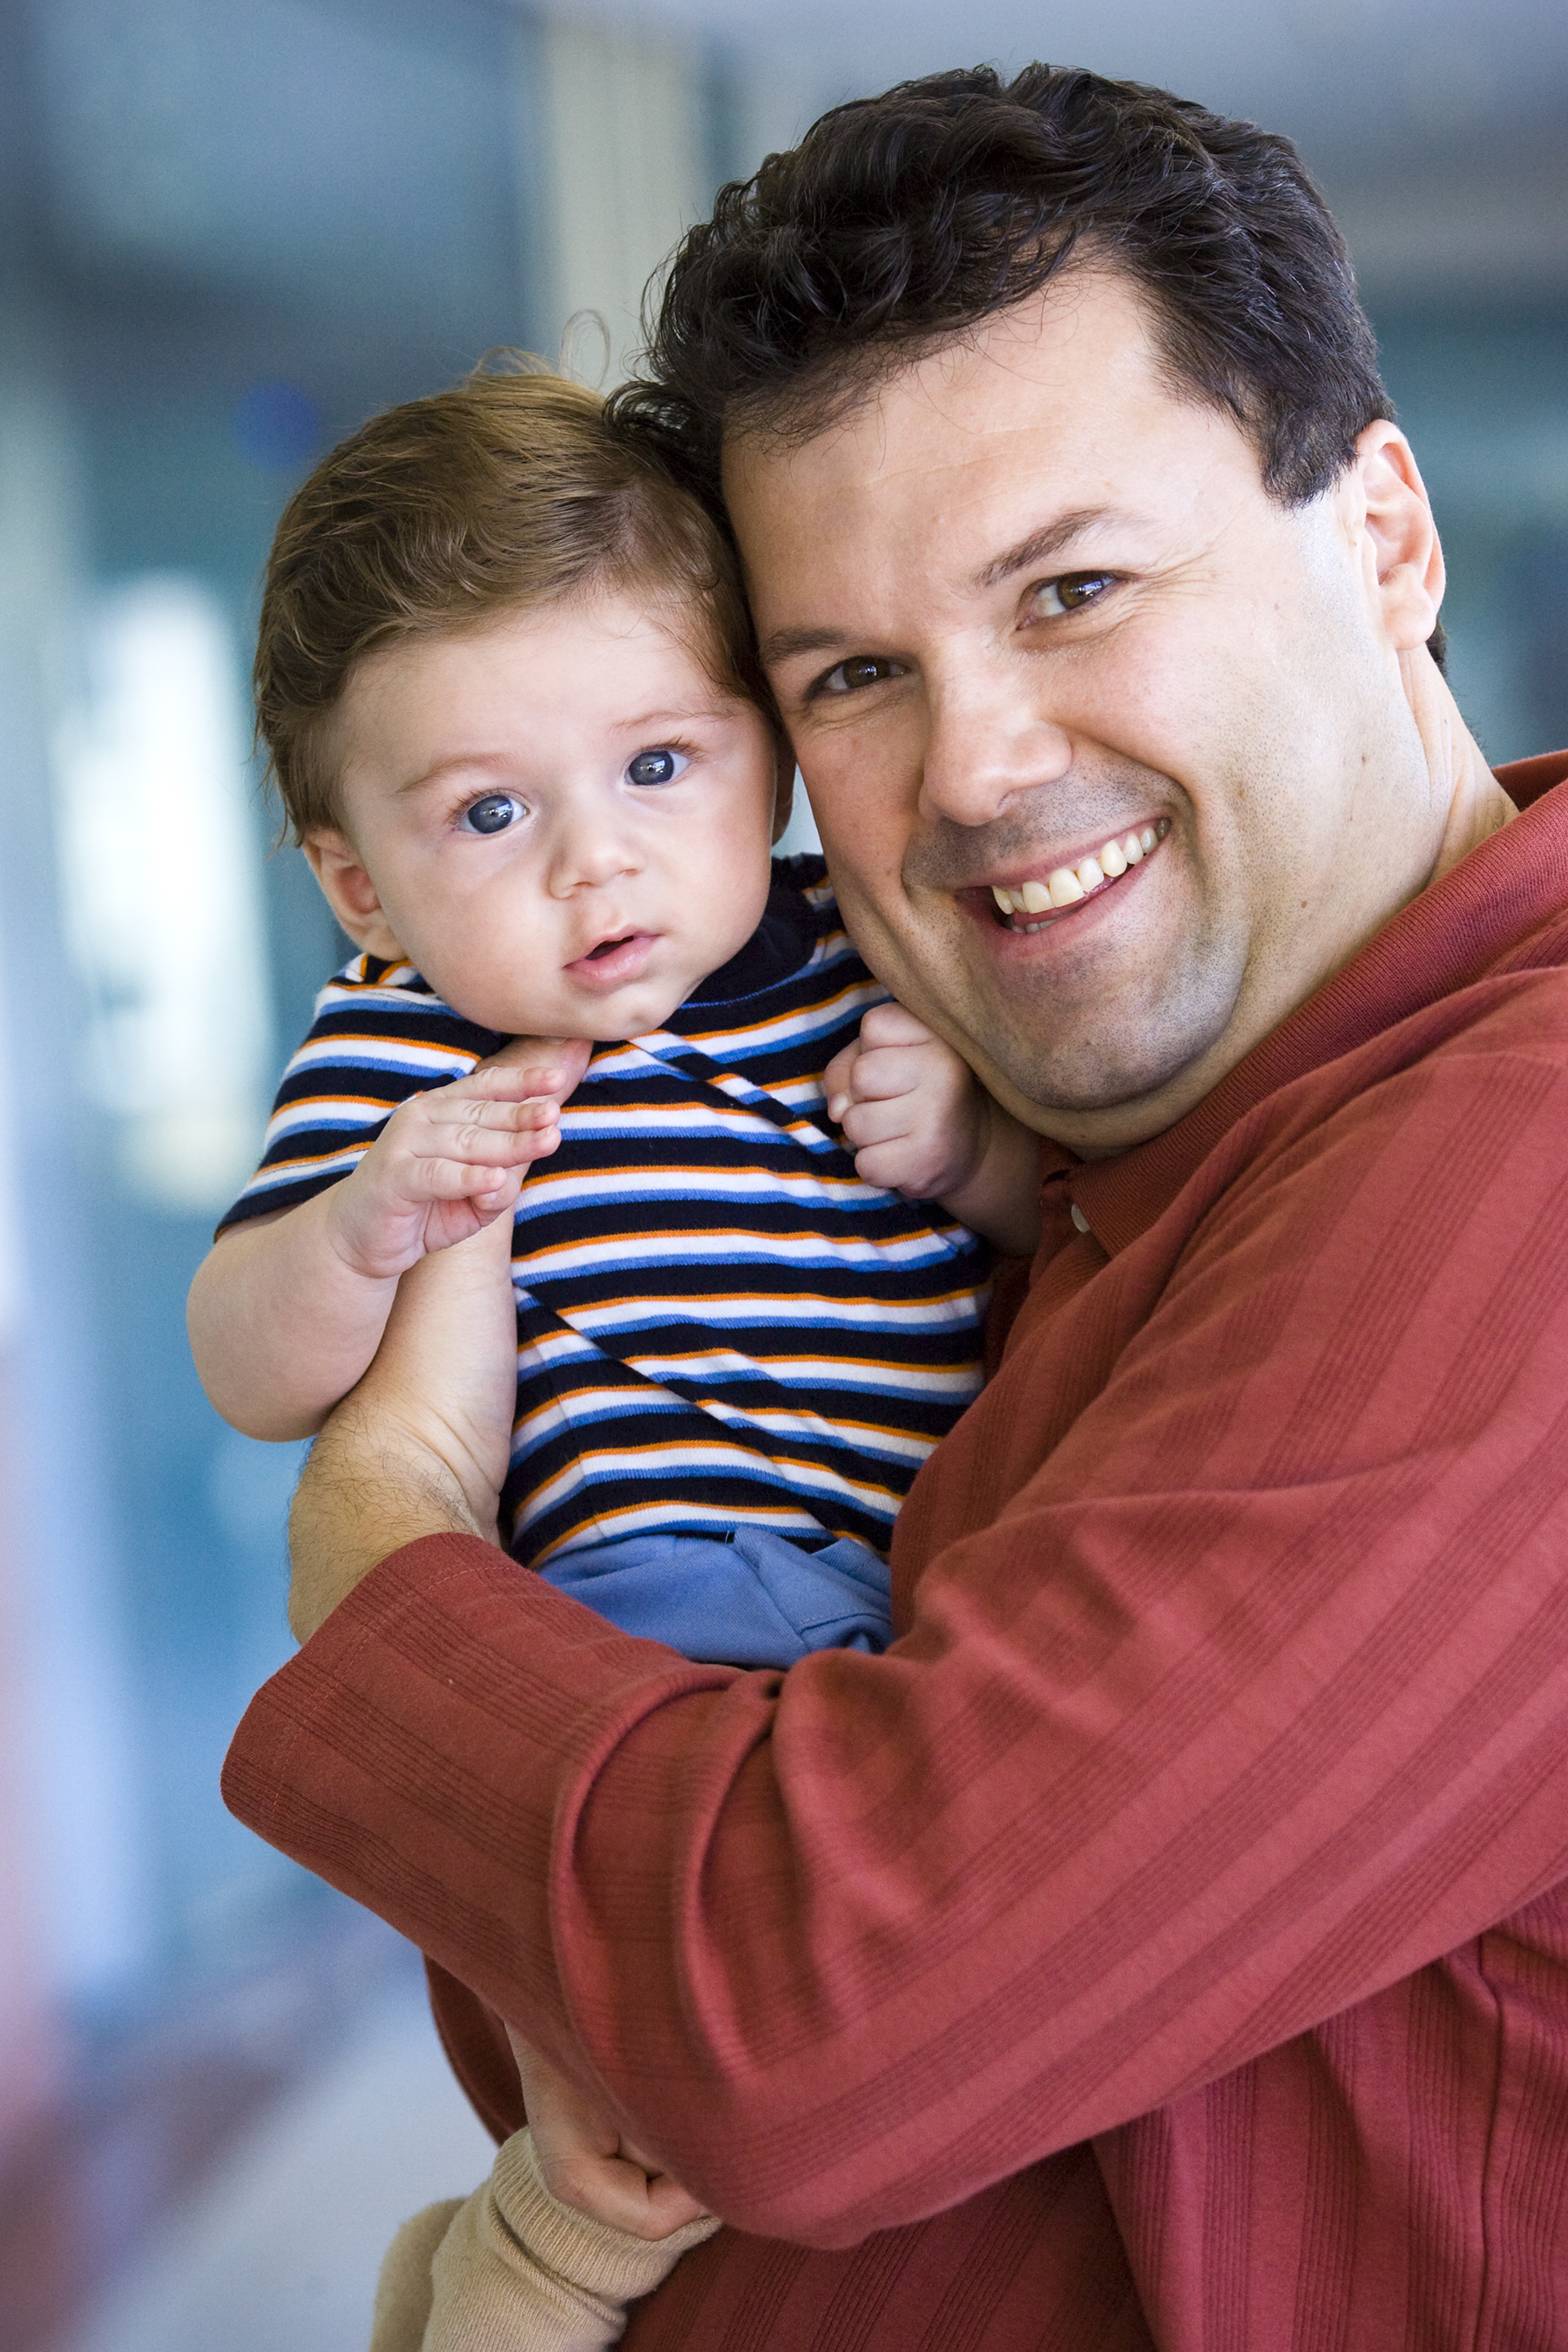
[585, 2162]
[452, 1160]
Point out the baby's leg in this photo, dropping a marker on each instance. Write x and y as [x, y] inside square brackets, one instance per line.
[403, 2291]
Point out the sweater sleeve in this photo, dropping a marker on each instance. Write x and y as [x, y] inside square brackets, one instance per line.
[1250, 1699]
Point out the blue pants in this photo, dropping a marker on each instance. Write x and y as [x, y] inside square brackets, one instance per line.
[749, 1598]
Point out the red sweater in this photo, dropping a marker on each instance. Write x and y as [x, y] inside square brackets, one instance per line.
[1164, 1940]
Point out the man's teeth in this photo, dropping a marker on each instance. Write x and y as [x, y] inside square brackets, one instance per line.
[1068, 884]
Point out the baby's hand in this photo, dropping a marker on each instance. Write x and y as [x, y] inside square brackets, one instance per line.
[914, 1114]
[585, 2161]
[450, 1161]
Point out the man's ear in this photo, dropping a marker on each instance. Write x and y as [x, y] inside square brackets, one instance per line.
[350, 892]
[784, 790]
[1404, 554]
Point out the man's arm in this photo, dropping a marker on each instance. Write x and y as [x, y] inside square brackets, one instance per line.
[421, 1448]
[1245, 1695]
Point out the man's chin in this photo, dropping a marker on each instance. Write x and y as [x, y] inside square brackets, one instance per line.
[1129, 1086]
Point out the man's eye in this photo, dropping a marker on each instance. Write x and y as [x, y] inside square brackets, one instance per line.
[861, 670]
[1070, 593]
[491, 814]
[657, 767]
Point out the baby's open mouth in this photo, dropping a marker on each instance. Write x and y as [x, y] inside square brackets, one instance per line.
[1040, 902]
[607, 947]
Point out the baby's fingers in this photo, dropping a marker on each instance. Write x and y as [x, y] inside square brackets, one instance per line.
[874, 1121]
[492, 1134]
[542, 1066]
[838, 1079]
[883, 1071]
[891, 1024]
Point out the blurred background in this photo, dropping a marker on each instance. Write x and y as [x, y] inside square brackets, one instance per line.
[229, 229]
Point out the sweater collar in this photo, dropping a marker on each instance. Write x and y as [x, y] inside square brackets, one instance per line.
[1512, 884]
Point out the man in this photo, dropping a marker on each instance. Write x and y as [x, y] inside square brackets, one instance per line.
[1164, 1942]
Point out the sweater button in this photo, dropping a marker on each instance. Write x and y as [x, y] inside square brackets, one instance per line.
[1079, 1220]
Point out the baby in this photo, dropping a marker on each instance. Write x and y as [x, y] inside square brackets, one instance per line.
[508, 683]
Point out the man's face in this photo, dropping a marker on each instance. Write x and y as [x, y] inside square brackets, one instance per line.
[1107, 748]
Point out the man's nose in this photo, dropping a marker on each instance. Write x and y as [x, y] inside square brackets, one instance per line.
[986, 739]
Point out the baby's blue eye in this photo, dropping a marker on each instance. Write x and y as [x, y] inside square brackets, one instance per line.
[492, 814]
[660, 767]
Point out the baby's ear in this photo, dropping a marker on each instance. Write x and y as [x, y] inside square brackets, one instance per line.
[350, 892]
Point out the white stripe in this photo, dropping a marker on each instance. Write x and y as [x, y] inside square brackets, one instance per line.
[326, 1111]
[813, 1372]
[292, 1171]
[597, 1468]
[863, 1436]
[588, 1122]
[865, 1315]
[551, 1194]
[722, 1246]
[383, 1054]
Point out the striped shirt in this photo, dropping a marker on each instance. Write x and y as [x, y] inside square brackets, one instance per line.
[716, 1319]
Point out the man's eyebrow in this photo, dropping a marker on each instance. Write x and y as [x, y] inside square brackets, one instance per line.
[782, 643]
[1040, 546]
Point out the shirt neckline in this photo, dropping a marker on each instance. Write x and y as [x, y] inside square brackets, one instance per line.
[776, 950]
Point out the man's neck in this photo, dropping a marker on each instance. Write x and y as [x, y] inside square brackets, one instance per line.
[1477, 804]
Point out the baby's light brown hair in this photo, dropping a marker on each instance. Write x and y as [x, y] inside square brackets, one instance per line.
[451, 512]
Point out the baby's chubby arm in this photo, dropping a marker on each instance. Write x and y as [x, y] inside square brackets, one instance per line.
[920, 1122]
[286, 1313]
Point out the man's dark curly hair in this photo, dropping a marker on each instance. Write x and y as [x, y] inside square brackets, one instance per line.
[904, 220]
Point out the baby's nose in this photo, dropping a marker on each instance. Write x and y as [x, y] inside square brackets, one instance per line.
[588, 852]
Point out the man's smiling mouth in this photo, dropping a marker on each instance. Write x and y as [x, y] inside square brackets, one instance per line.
[1041, 902]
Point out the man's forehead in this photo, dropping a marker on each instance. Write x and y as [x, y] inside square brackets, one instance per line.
[1049, 435]
[1056, 369]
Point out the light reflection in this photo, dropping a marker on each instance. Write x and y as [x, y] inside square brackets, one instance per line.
[161, 894]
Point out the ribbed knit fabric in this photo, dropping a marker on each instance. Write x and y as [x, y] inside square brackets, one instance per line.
[402, 2290]
[1166, 1940]
[518, 2272]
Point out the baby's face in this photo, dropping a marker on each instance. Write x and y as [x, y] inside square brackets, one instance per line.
[560, 820]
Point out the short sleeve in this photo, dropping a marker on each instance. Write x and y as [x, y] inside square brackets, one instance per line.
[379, 1035]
